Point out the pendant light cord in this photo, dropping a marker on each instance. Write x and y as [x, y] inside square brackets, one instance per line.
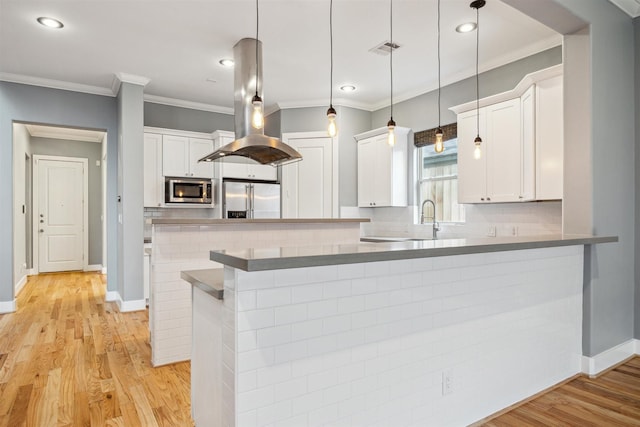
[331, 44]
[257, 41]
[477, 74]
[439, 64]
[391, 52]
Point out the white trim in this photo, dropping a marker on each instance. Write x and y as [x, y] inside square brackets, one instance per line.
[8, 306]
[20, 285]
[630, 7]
[132, 78]
[177, 132]
[85, 204]
[135, 305]
[104, 270]
[337, 102]
[93, 267]
[56, 84]
[608, 358]
[516, 92]
[111, 296]
[154, 99]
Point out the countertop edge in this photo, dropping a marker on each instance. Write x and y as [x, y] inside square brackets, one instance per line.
[210, 280]
[399, 253]
[195, 221]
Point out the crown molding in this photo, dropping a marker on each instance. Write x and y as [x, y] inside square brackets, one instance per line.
[337, 102]
[630, 7]
[154, 99]
[55, 84]
[119, 78]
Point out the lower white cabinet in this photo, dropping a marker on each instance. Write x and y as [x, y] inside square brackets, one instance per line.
[153, 180]
[382, 169]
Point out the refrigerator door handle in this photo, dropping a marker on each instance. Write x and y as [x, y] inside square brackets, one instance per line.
[252, 195]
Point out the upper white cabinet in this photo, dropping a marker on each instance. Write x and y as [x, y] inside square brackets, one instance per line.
[522, 143]
[382, 169]
[549, 125]
[180, 156]
[153, 181]
[241, 167]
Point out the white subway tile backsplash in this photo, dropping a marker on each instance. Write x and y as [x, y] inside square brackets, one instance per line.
[255, 319]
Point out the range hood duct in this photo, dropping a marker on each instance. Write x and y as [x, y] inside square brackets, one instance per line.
[251, 142]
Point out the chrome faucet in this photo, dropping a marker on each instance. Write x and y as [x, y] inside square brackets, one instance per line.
[436, 227]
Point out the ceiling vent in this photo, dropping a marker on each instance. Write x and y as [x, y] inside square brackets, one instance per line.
[384, 48]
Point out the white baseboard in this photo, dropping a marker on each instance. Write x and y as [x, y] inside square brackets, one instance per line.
[594, 365]
[7, 306]
[20, 284]
[93, 267]
[112, 296]
[104, 270]
[135, 305]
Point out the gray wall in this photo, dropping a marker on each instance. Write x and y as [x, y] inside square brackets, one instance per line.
[609, 276]
[91, 151]
[636, 26]
[130, 191]
[421, 112]
[52, 106]
[170, 117]
[272, 124]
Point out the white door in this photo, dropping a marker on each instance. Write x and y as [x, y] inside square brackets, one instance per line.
[307, 186]
[60, 216]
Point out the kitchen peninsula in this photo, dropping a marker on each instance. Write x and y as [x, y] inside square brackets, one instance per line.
[183, 244]
[406, 334]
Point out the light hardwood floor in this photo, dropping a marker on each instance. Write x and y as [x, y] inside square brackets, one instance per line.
[67, 358]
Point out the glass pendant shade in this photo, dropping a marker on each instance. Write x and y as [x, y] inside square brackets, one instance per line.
[391, 125]
[332, 129]
[439, 146]
[477, 152]
[257, 118]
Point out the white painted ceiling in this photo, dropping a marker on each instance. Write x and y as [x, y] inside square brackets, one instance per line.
[177, 45]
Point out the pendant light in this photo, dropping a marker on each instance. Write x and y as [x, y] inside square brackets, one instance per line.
[257, 118]
[477, 152]
[331, 112]
[439, 147]
[391, 125]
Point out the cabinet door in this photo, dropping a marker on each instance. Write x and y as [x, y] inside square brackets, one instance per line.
[366, 172]
[503, 151]
[262, 172]
[472, 183]
[383, 172]
[175, 155]
[549, 139]
[235, 167]
[153, 181]
[198, 148]
[528, 164]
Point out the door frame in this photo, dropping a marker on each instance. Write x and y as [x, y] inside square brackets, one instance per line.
[85, 207]
[335, 166]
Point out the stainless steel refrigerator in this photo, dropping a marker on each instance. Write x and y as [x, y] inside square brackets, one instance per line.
[250, 199]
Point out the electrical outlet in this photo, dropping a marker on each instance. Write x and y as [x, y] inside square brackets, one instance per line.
[447, 382]
[491, 231]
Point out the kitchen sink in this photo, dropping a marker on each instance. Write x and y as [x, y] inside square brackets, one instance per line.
[377, 239]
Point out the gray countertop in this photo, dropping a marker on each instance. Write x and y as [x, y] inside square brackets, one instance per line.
[205, 221]
[309, 256]
[210, 280]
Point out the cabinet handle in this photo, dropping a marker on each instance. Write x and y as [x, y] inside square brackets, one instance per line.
[520, 197]
[488, 198]
[482, 199]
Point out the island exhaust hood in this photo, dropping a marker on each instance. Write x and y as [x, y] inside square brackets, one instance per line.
[251, 142]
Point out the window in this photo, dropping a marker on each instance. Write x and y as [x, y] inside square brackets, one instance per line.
[438, 181]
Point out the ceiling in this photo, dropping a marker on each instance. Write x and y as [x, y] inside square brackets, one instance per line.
[177, 46]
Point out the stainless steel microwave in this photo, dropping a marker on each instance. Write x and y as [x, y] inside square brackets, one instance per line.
[191, 191]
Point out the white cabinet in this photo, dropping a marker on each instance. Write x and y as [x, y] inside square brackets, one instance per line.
[180, 156]
[549, 125]
[241, 167]
[498, 175]
[153, 181]
[382, 169]
[522, 148]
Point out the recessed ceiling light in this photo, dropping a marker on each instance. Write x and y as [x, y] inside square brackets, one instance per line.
[50, 22]
[347, 88]
[466, 27]
[226, 62]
